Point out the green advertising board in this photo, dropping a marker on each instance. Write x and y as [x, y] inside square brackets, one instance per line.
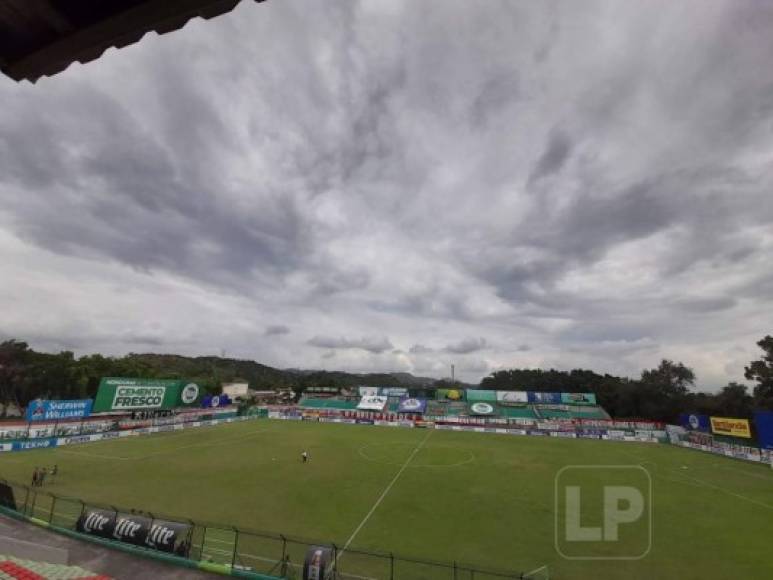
[130, 394]
[474, 395]
[578, 398]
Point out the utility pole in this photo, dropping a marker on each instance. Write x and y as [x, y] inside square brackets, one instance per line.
[452, 375]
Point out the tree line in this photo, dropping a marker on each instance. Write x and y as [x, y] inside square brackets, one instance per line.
[26, 374]
[660, 394]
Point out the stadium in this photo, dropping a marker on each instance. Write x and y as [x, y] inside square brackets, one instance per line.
[435, 483]
[561, 200]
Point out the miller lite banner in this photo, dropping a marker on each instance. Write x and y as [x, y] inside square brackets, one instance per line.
[131, 394]
[136, 530]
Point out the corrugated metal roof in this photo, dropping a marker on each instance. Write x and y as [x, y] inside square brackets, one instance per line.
[44, 37]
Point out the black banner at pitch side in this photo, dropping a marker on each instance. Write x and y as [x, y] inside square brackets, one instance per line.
[7, 498]
[96, 523]
[136, 530]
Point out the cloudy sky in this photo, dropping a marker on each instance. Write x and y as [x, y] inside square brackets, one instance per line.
[398, 186]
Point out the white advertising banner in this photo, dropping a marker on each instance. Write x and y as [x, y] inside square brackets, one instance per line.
[372, 403]
[512, 397]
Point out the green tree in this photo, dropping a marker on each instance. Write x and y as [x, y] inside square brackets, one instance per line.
[761, 371]
[734, 400]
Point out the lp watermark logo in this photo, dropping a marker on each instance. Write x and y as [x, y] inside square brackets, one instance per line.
[603, 512]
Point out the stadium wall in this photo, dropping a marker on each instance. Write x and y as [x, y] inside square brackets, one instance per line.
[49, 442]
[623, 431]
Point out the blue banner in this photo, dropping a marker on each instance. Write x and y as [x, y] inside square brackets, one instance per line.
[694, 422]
[547, 398]
[764, 422]
[411, 405]
[40, 410]
[214, 401]
[34, 444]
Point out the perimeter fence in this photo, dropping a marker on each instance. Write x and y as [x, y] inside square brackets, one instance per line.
[234, 547]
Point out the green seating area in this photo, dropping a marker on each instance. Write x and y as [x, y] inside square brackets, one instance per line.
[339, 404]
[555, 414]
[455, 409]
[574, 412]
[526, 412]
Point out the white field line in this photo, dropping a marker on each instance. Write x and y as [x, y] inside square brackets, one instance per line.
[727, 491]
[384, 494]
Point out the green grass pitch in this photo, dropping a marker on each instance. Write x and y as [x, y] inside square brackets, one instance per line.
[442, 495]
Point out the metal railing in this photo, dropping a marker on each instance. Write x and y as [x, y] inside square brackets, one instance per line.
[264, 552]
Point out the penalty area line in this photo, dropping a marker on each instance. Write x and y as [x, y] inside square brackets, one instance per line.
[383, 494]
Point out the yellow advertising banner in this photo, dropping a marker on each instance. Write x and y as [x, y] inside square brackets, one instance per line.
[733, 427]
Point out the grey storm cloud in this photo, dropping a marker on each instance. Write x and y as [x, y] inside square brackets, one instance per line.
[586, 180]
[276, 330]
[555, 155]
[370, 344]
[467, 346]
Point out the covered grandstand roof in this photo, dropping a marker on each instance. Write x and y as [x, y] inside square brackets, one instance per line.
[44, 37]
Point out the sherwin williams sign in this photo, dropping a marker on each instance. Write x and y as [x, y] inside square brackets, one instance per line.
[128, 394]
[40, 410]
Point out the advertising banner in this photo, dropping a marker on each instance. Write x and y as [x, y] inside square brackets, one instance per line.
[368, 391]
[215, 401]
[168, 536]
[695, 422]
[133, 529]
[43, 410]
[393, 392]
[512, 397]
[127, 394]
[7, 498]
[543, 397]
[764, 422]
[96, 523]
[482, 408]
[33, 444]
[578, 398]
[372, 403]
[449, 395]
[411, 405]
[474, 395]
[732, 427]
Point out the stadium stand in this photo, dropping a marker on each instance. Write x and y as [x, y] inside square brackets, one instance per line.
[15, 568]
[393, 404]
[526, 412]
[339, 404]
